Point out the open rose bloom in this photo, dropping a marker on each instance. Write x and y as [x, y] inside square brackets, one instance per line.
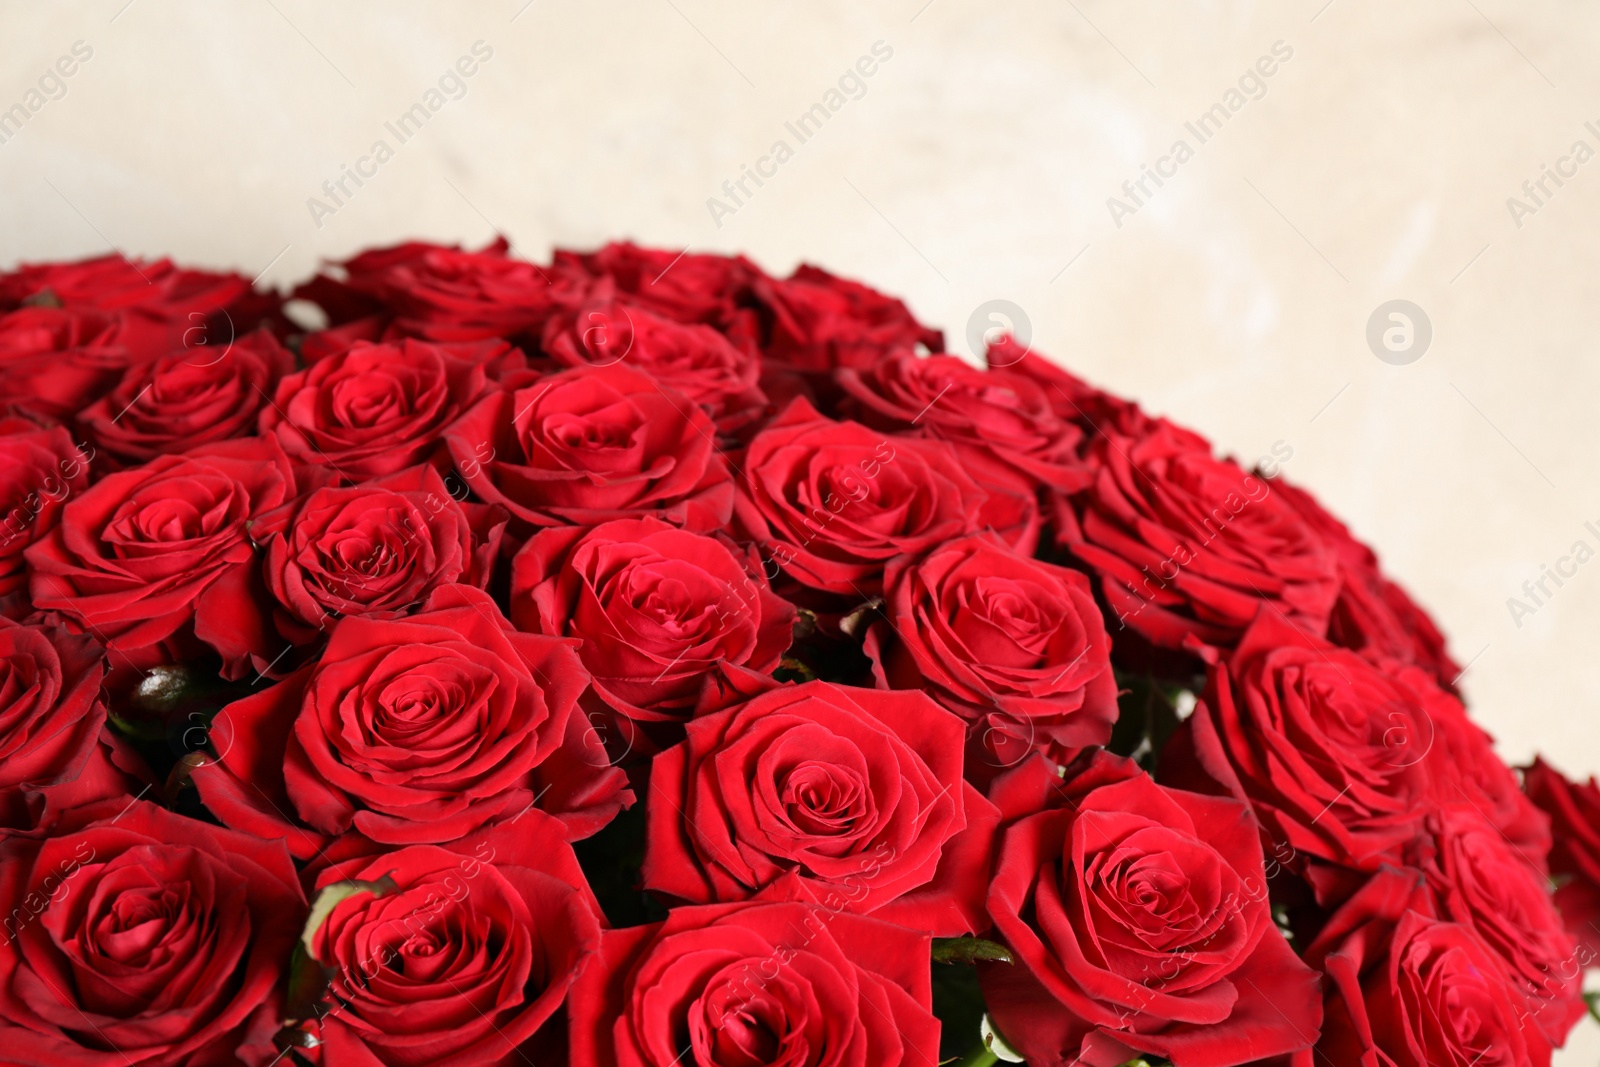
[637, 659]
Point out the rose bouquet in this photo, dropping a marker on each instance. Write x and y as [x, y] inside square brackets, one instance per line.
[640, 659]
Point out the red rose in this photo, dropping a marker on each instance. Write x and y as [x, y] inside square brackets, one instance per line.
[51, 710]
[413, 730]
[1139, 919]
[109, 770]
[1406, 989]
[819, 321]
[832, 502]
[501, 361]
[692, 359]
[1094, 411]
[54, 362]
[377, 549]
[1467, 771]
[349, 293]
[1188, 547]
[1333, 753]
[373, 409]
[1485, 884]
[40, 469]
[158, 559]
[1373, 615]
[318, 345]
[592, 444]
[138, 936]
[1378, 618]
[114, 282]
[775, 982]
[188, 397]
[683, 286]
[995, 415]
[1015, 646]
[451, 956]
[1574, 812]
[660, 611]
[857, 791]
[448, 294]
[56, 752]
[441, 289]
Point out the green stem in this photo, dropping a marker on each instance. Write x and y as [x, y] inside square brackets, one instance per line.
[981, 1056]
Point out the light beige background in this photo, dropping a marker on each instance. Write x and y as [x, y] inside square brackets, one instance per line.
[977, 165]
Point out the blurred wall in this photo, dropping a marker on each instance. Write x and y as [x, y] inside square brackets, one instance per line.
[1337, 155]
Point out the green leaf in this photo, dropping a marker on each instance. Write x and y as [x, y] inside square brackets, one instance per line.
[958, 1002]
[137, 728]
[612, 861]
[308, 977]
[174, 704]
[1147, 717]
[805, 624]
[330, 898]
[995, 1042]
[165, 689]
[1280, 916]
[307, 980]
[852, 623]
[796, 669]
[968, 950]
